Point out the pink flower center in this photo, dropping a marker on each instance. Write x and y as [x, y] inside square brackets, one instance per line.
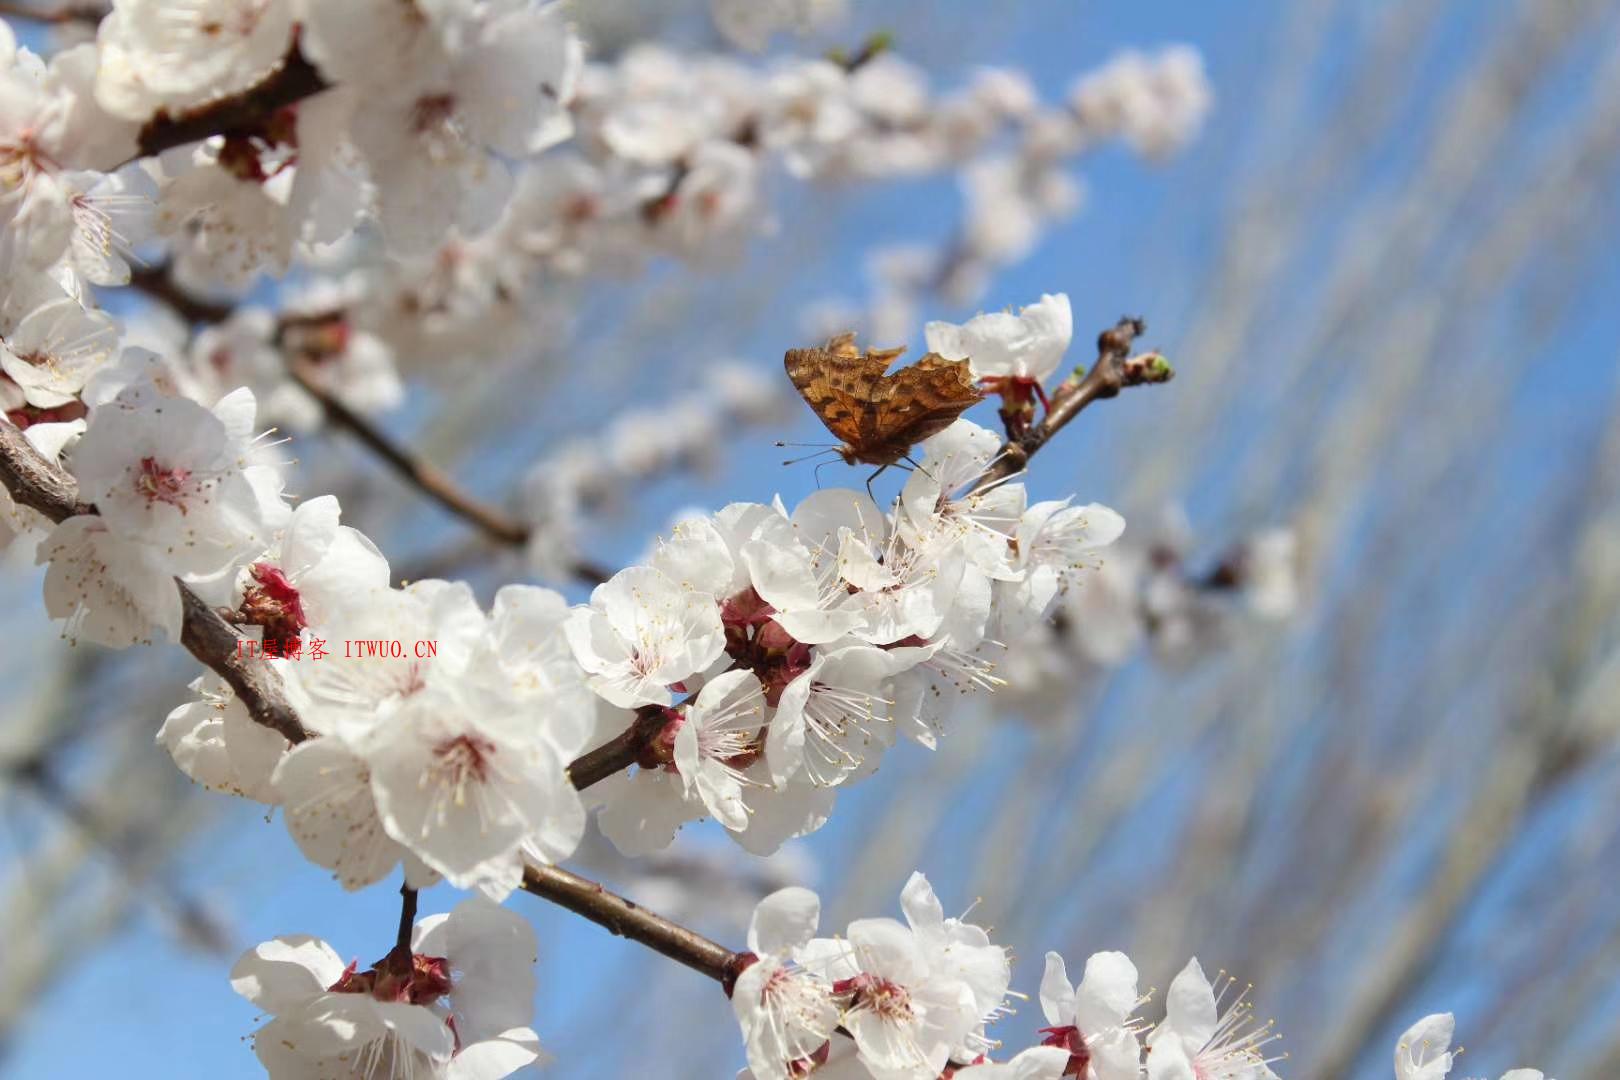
[273, 603]
[756, 640]
[22, 159]
[464, 757]
[416, 979]
[888, 1000]
[165, 485]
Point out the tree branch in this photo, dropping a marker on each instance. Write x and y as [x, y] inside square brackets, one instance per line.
[243, 113]
[87, 13]
[1115, 369]
[407, 919]
[619, 753]
[424, 477]
[35, 482]
[624, 918]
[158, 282]
[432, 482]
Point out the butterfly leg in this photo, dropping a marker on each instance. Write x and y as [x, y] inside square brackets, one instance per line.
[871, 478]
[915, 464]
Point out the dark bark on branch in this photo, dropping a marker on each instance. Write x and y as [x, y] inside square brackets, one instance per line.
[243, 113]
[35, 482]
[624, 918]
[619, 753]
[214, 642]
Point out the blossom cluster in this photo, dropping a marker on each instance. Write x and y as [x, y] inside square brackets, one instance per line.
[772, 655]
[762, 656]
[452, 1003]
[438, 202]
[1018, 188]
[1144, 595]
[677, 154]
[914, 1000]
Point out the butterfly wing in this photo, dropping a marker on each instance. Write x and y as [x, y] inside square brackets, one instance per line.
[839, 384]
[916, 403]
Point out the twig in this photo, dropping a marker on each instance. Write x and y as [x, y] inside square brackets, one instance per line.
[407, 919]
[158, 282]
[89, 14]
[1115, 369]
[426, 478]
[243, 113]
[624, 918]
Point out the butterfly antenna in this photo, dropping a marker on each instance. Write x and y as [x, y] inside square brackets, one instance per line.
[807, 457]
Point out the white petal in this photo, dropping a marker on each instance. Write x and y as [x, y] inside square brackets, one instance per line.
[1107, 992]
[1057, 994]
[784, 920]
[1189, 1005]
[497, 1057]
[286, 971]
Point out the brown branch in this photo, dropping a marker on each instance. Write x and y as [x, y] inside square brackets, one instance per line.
[88, 13]
[243, 113]
[1115, 369]
[620, 752]
[626, 919]
[433, 483]
[214, 642]
[407, 919]
[158, 283]
[36, 483]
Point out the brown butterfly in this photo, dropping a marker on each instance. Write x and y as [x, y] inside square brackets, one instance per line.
[879, 417]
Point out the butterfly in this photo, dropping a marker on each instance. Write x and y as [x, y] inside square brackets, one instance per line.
[879, 417]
